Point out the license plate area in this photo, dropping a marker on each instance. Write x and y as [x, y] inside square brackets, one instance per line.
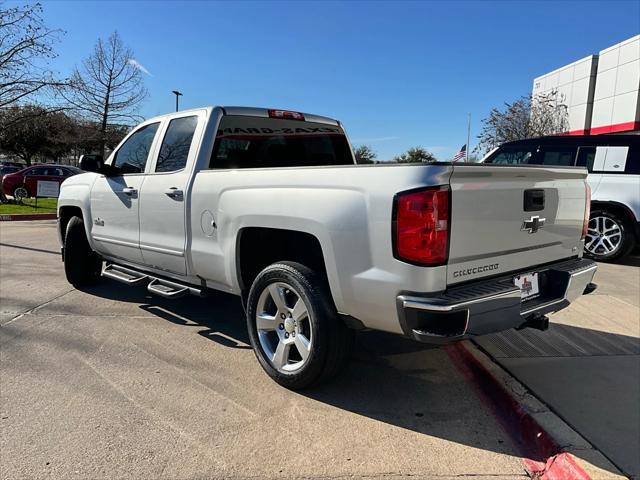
[528, 285]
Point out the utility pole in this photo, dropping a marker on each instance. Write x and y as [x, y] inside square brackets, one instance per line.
[178, 95]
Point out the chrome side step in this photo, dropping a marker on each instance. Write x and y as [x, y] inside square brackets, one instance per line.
[170, 289]
[156, 285]
[124, 275]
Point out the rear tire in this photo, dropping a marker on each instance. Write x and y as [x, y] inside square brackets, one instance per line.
[294, 328]
[610, 236]
[82, 266]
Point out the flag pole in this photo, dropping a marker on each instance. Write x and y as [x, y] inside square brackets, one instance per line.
[466, 158]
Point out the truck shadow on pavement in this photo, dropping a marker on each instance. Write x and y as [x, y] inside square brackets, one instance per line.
[416, 387]
[220, 313]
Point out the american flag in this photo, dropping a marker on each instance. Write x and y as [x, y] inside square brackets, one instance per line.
[461, 154]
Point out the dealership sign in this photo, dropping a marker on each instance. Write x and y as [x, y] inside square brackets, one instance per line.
[47, 189]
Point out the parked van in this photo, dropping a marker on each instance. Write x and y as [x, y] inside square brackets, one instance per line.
[613, 162]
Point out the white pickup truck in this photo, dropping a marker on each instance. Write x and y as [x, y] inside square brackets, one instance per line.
[271, 206]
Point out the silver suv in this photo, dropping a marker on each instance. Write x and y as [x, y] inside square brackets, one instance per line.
[613, 162]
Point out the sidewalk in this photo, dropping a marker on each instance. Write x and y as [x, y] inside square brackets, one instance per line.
[587, 365]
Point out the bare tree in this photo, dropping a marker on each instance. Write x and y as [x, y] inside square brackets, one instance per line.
[527, 117]
[108, 88]
[26, 46]
[415, 155]
[364, 154]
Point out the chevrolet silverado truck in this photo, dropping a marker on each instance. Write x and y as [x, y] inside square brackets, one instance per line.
[270, 205]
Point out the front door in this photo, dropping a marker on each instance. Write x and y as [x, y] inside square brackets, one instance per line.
[115, 198]
[39, 174]
[163, 197]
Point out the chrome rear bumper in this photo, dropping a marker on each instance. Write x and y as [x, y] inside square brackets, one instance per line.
[493, 305]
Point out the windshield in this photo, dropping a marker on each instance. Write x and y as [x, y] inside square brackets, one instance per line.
[258, 142]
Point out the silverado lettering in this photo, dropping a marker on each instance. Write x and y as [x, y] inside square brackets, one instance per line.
[474, 270]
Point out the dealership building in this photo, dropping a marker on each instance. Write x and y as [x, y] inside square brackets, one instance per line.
[601, 92]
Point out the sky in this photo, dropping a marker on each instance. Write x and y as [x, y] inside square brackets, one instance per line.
[397, 74]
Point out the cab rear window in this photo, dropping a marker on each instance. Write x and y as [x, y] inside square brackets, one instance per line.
[512, 155]
[257, 142]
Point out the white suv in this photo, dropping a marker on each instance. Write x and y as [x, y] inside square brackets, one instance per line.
[613, 162]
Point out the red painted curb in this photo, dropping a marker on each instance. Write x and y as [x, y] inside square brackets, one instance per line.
[558, 467]
[544, 458]
[17, 217]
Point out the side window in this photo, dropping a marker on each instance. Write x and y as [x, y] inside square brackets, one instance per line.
[134, 153]
[37, 171]
[586, 156]
[513, 155]
[176, 144]
[54, 172]
[562, 156]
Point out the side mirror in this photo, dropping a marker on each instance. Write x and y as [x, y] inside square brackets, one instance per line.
[91, 163]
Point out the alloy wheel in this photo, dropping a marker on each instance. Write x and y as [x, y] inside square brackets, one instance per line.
[20, 194]
[604, 236]
[283, 323]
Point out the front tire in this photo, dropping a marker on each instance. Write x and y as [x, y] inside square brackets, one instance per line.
[609, 236]
[82, 266]
[294, 328]
[20, 193]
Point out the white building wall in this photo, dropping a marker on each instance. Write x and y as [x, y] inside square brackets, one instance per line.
[616, 105]
[602, 91]
[574, 84]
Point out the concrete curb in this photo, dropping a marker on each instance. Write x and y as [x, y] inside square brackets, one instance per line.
[17, 217]
[554, 450]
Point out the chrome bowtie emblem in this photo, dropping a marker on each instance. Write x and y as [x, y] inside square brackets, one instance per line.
[534, 224]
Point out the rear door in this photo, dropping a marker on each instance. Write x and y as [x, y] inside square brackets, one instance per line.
[506, 219]
[164, 193]
[55, 174]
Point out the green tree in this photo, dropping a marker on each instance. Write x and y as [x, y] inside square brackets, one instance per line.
[364, 154]
[415, 155]
[24, 139]
[51, 135]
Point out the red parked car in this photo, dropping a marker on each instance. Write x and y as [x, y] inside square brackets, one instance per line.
[24, 184]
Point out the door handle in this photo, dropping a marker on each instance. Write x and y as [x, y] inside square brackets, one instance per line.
[130, 191]
[173, 192]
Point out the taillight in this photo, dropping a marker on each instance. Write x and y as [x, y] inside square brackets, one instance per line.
[421, 226]
[587, 211]
[286, 114]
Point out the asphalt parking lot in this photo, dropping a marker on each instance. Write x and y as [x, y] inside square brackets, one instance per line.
[113, 382]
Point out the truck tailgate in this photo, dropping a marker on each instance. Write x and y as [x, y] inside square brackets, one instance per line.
[494, 229]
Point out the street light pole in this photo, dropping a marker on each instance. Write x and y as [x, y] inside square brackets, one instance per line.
[178, 95]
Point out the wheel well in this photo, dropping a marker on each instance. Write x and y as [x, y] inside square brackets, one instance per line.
[614, 207]
[64, 215]
[259, 247]
[622, 211]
